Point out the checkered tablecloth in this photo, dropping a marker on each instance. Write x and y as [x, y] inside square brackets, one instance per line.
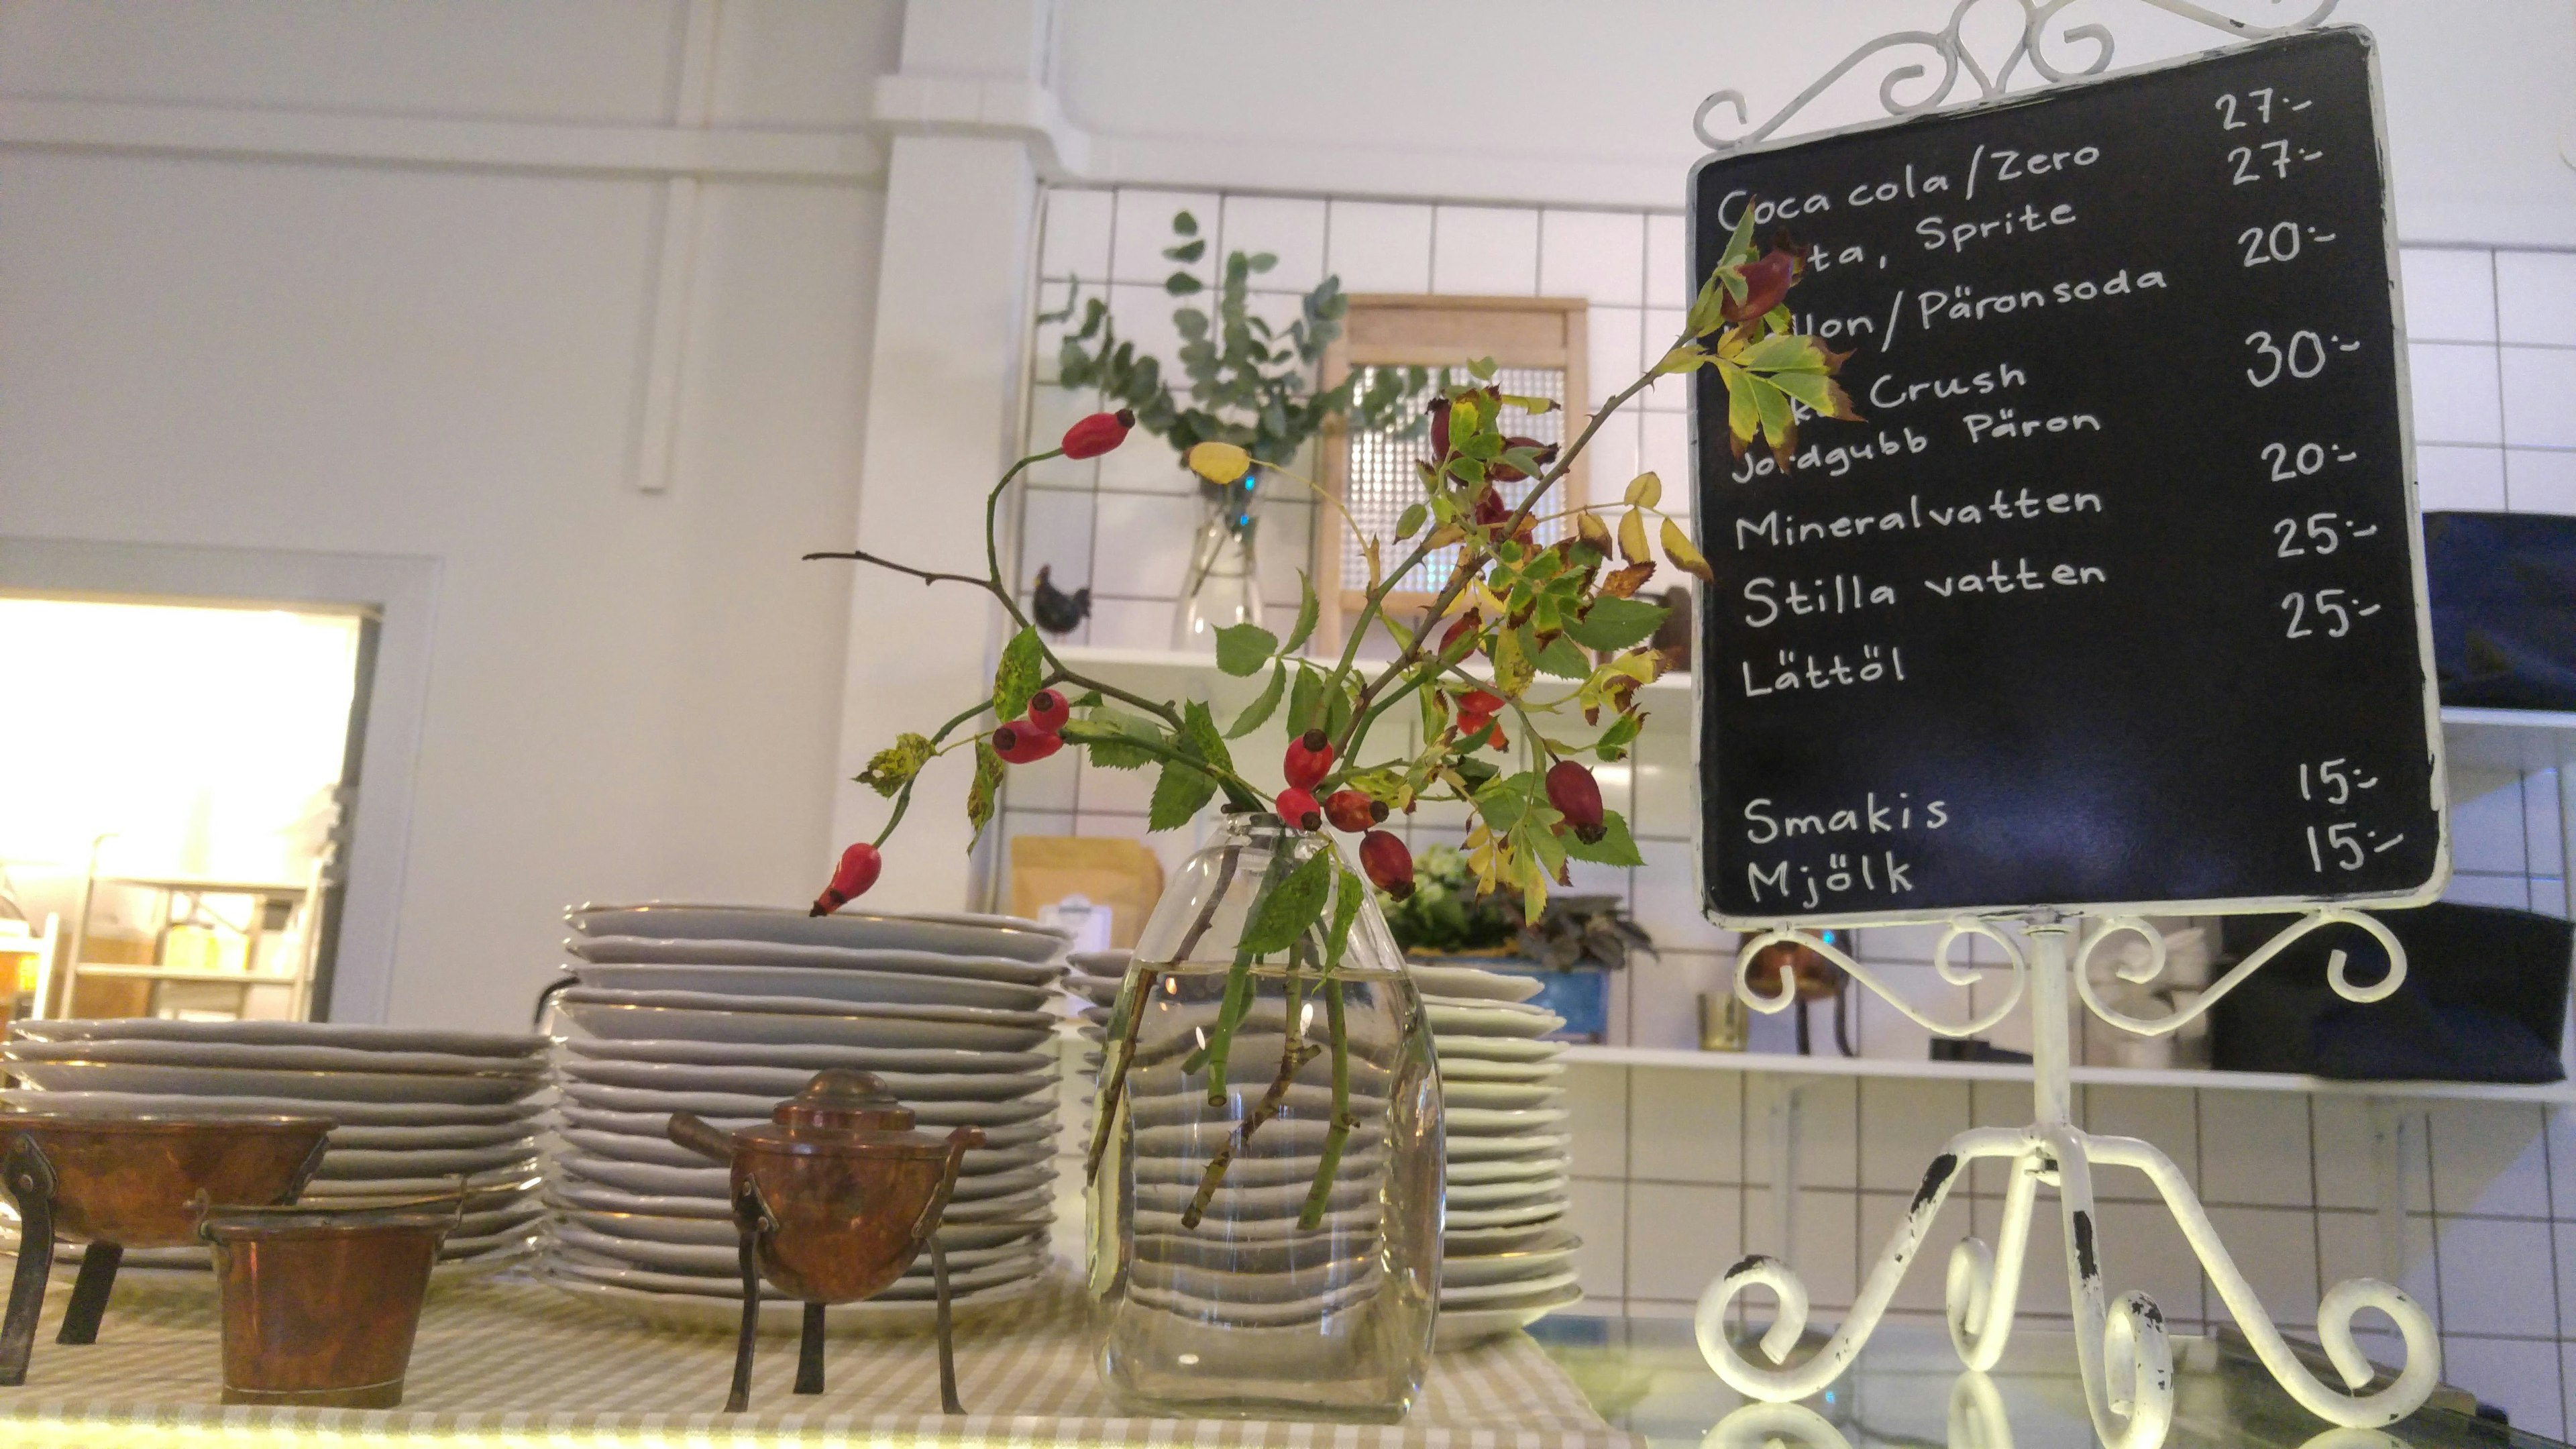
[516, 1362]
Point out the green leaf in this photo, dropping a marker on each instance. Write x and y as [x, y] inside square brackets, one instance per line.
[1264, 261]
[1773, 406]
[1349, 892]
[1615, 847]
[1783, 354]
[1483, 368]
[1186, 251]
[1182, 284]
[1511, 800]
[1614, 741]
[1241, 649]
[1179, 795]
[1291, 906]
[1187, 225]
[1101, 731]
[1337, 712]
[1023, 665]
[986, 789]
[890, 769]
[1563, 660]
[1262, 706]
[1199, 733]
[1409, 522]
[1820, 393]
[1309, 608]
[1302, 699]
[1616, 623]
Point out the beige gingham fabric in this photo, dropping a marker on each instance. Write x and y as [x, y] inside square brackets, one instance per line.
[514, 1362]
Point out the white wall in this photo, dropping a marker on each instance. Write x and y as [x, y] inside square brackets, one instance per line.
[631, 695]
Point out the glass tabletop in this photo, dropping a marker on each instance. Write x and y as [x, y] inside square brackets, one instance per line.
[1907, 1391]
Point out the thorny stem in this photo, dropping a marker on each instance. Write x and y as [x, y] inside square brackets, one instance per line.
[1236, 790]
[1238, 991]
[1109, 1094]
[1311, 1216]
[1294, 1053]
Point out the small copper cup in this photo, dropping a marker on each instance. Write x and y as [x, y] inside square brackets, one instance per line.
[320, 1306]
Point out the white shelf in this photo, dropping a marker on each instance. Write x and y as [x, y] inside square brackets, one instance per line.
[2509, 739]
[1774, 1063]
[175, 973]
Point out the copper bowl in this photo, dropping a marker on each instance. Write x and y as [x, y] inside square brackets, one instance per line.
[320, 1306]
[135, 1181]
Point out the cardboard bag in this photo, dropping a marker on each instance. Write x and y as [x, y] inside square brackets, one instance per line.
[1121, 876]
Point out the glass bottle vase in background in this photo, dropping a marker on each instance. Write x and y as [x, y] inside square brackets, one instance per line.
[1219, 1299]
[1223, 585]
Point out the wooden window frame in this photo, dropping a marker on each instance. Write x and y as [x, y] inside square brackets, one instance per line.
[1387, 329]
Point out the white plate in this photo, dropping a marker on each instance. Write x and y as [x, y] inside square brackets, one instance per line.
[925, 1115]
[487, 1189]
[285, 1058]
[715, 1232]
[1489, 1018]
[1458, 1092]
[609, 950]
[345, 1113]
[1469, 1296]
[931, 1064]
[781, 1315]
[1470, 982]
[1022, 1262]
[634, 1147]
[657, 1125]
[1488, 1122]
[1492, 1149]
[203, 1082]
[1096, 991]
[724, 1260]
[946, 934]
[910, 1088]
[1536, 1210]
[1455, 1068]
[1504, 1194]
[806, 1006]
[635, 1021]
[1513, 1269]
[344, 1164]
[813, 982]
[1469, 1326]
[653, 1179]
[1509, 1169]
[348, 1035]
[1449, 1044]
[408, 1139]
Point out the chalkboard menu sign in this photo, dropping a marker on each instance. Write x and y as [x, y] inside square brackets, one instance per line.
[2115, 597]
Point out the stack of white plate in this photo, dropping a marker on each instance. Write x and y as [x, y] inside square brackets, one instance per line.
[726, 1011]
[1507, 1258]
[418, 1110]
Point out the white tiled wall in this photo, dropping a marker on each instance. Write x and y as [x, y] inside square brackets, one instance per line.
[1672, 1165]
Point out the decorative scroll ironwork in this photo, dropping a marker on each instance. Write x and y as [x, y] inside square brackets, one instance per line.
[2139, 973]
[1957, 973]
[1948, 50]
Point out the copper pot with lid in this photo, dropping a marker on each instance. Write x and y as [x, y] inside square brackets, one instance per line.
[834, 1197]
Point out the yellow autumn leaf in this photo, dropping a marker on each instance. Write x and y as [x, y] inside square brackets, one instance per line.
[1632, 537]
[1645, 490]
[1219, 462]
[1593, 532]
[1677, 547]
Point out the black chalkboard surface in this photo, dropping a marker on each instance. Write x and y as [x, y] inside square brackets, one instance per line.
[2115, 598]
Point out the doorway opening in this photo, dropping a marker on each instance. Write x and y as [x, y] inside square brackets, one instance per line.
[177, 782]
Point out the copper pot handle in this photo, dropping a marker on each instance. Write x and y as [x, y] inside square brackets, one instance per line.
[691, 1132]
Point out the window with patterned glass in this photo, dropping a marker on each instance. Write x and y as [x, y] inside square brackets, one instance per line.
[1538, 345]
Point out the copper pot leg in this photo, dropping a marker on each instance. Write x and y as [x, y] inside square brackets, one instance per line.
[947, 1351]
[740, 1398]
[89, 1293]
[29, 1179]
[809, 1352]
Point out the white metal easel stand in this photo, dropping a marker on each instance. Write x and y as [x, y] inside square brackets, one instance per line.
[2127, 1367]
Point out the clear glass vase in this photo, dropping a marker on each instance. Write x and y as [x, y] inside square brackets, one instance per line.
[1275, 1250]
[1223, 585]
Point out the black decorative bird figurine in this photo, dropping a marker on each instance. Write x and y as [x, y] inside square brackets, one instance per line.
[1057, 611]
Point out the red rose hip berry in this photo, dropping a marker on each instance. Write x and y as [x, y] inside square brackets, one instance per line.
[1310, 759]
[1023, 744]
[1576, 796]
[1388, 863]
[1353, 811]
[857, 871]
[1298, 808]
[1048, 711]
[1097, 434]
